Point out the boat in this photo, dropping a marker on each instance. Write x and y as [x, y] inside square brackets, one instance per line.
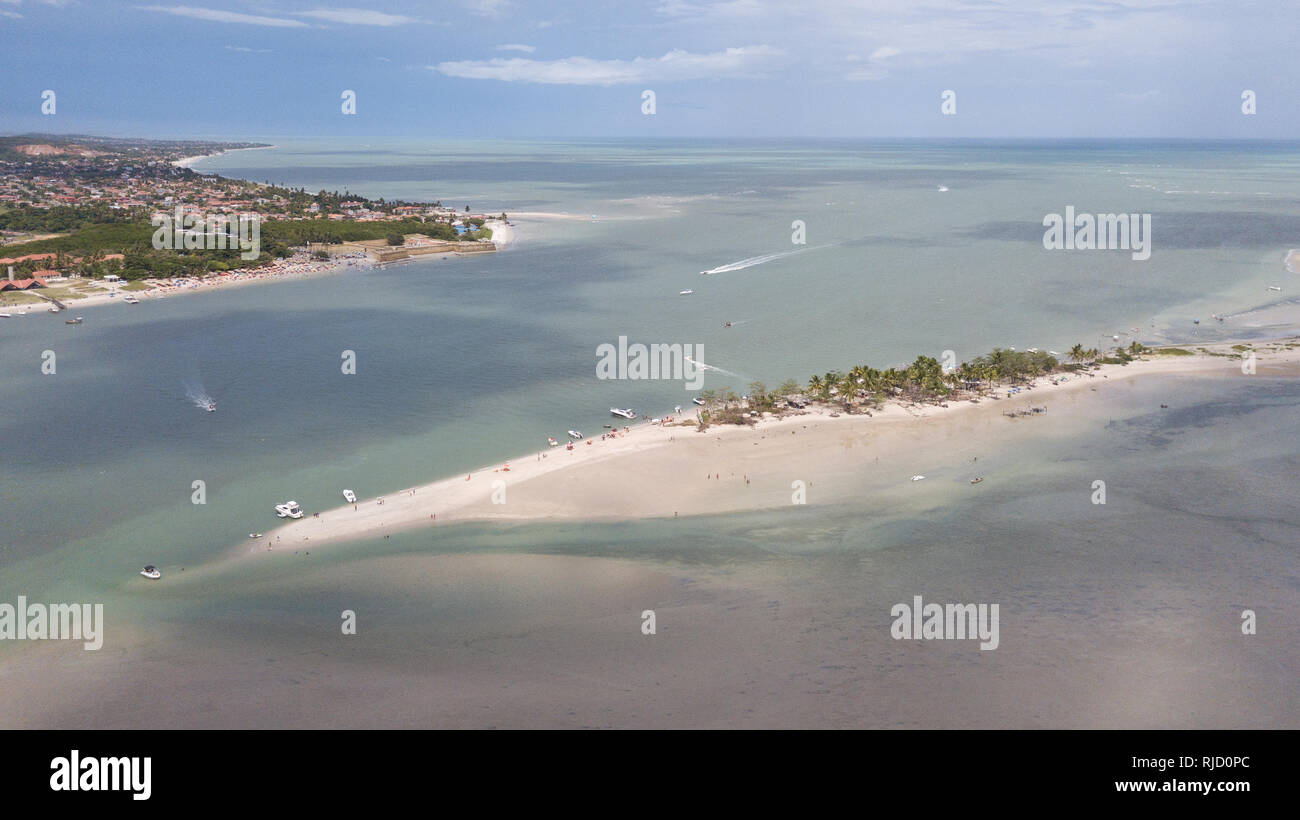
[575, 434]
[288, 509]
[726, 324]
[700, 402]
[917, 477]
[254, 535]
[627, 414]
[1196, 321]
[977, 479]
[212, 407]
[4, 315]
[349, 496]
[943, 188]
[1274, 287]
[685, 292]
[552, 442]
[75, 321]
[151, 572]
[131, 300]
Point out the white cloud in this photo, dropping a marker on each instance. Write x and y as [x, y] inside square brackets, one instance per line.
[884, 53]
[489, 8]
[249, 50]
[674, 66]
[357, 17]
[516, 47]
[216, 16]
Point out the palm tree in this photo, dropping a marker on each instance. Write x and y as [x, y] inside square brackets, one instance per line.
[815, 385]
[1077, 353]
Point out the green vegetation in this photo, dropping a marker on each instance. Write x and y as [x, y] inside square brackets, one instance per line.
[83, 252]
[1171, 351]
[61, 218]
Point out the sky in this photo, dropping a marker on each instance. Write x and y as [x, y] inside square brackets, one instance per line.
[261, 69]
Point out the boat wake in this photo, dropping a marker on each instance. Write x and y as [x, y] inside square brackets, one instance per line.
[197, 394]
[756, 260]
[703, 366]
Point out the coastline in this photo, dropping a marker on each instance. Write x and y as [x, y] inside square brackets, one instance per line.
[298, 266]
[746, 468]
[188, 162]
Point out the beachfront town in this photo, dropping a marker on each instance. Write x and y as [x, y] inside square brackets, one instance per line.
[79, 209]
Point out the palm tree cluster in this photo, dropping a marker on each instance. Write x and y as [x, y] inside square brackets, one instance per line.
[922, 380]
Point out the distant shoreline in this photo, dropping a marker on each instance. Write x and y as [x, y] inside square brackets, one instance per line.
[187, 162]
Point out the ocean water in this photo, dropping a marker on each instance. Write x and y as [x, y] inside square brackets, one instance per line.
[778, 615]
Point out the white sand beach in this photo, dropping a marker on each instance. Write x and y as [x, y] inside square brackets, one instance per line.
[188, 162]
[667, 470]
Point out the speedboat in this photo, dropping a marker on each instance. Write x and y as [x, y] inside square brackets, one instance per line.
[726, 324]
[212, 407]
[1274, 287]
[977, 480]
[552, 442]
[131, 300]
[917, 477]
[349, 496]
[254, 535]
[151, 572]
[575, 434]
[4, 315]
[288, 509]
[700, 402]
[943, 189]
[685, 292]
[627, 414]
[75, 321]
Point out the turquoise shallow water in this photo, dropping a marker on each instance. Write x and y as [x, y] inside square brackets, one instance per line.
[469, 361]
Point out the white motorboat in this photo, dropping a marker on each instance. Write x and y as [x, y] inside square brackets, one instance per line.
[288, 509]
[349, 496]
[131, 300]
[575, 434]
[552, 442]
[943, 189]
[627, 414]
[151, 572]
[685, 292]
[1274, 287]
[918, 477]
[700, 402]
[4, 315]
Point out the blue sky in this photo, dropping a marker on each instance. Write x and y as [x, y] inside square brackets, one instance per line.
[261, 69]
